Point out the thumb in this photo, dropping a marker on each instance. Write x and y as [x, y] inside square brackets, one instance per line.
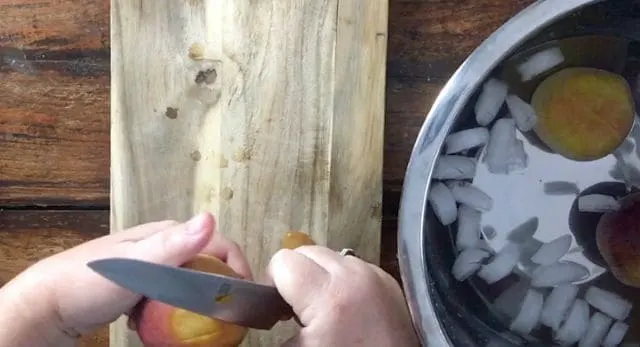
[299, 280]
[176, 245]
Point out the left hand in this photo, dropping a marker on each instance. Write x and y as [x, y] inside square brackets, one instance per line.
[83, 300]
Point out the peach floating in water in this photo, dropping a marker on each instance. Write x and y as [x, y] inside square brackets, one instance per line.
[583, 113]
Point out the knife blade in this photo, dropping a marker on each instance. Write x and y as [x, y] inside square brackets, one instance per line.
[225, 298]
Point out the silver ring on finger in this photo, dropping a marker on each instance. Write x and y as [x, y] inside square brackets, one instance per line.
[348, 251]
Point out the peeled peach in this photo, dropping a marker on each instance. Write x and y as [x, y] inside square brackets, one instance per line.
[295, 239]
[583, 113]
[159, 324]
[618, 240]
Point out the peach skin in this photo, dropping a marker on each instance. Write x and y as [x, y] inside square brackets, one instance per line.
[618, 240]
[158, 324]
[295, 239]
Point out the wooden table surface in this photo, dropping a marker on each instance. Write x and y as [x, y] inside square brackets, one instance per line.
[54, 114]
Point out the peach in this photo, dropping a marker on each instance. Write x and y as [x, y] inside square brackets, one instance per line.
[618, 240]
[583, 113]
[159, 324]
[295, 239]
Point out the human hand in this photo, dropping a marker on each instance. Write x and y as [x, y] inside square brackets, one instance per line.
[81, 300]
[341, 300]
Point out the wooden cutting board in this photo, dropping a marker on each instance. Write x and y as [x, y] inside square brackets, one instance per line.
[268, 113]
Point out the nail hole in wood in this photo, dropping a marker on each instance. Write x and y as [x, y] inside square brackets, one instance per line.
[195, 155]
[171, 113]
[208, 76]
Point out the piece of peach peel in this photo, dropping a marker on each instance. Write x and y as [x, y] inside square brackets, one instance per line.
[618, 240]
[583, 113]
[159, 324]
[295, 239]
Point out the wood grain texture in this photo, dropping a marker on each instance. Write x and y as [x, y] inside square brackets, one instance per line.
[270, 115]
[54, 103]
[60, 25]
[53, 153]
[66, 43]
[29, 236]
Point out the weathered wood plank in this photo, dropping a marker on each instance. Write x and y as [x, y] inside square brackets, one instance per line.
[273, 120]
[54, 73]
[57, 26]
[54, 140]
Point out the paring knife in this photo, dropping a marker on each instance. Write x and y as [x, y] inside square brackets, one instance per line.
[225, 298]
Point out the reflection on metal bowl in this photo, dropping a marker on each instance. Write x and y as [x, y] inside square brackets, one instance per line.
[540, 199]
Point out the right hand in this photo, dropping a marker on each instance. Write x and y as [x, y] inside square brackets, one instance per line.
[341, 300]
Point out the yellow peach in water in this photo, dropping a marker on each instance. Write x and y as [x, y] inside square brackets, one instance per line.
[583, 113]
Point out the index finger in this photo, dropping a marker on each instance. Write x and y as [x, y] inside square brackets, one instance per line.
[229, 252]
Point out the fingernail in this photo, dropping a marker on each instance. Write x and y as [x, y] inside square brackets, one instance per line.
[195, 225]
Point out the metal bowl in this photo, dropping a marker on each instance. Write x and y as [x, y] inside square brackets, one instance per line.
[450, 313]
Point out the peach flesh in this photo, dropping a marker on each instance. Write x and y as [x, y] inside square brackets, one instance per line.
[583, 113]
[158, 324]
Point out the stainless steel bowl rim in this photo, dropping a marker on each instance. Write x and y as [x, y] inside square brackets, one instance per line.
[443, 114]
